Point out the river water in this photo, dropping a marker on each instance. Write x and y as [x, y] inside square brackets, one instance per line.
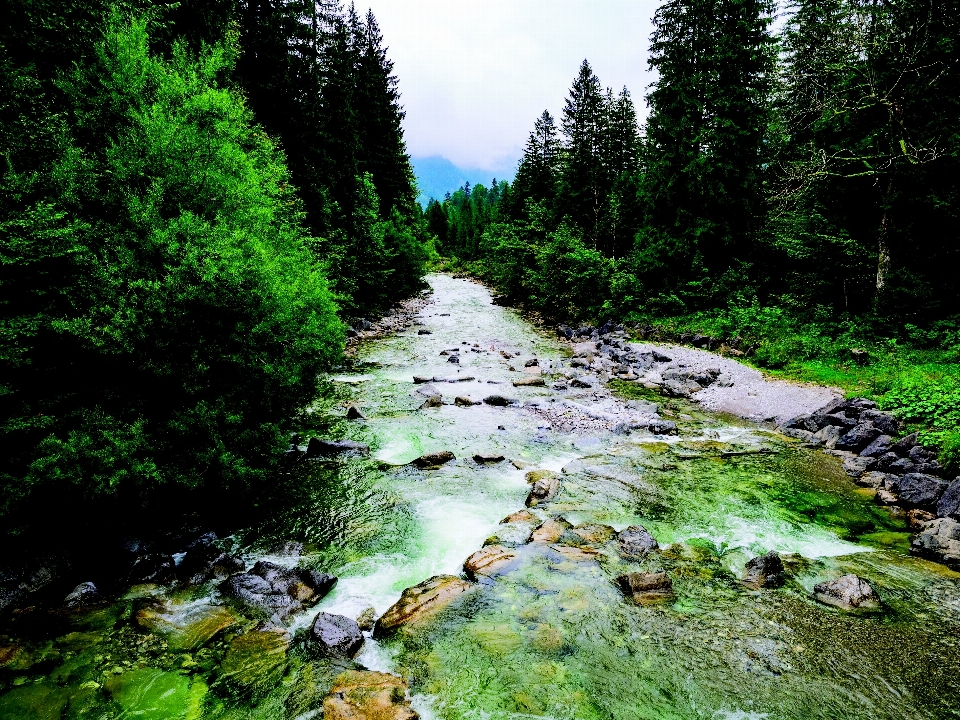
[553, 637]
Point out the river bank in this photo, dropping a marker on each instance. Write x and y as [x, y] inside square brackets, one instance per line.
[538, 623]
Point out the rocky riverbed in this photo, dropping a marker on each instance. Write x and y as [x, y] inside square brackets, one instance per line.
[485, 520]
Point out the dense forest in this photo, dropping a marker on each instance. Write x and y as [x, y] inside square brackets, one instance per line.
[196, 199]
[795, 188]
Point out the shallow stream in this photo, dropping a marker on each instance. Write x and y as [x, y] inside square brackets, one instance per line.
[552, 636]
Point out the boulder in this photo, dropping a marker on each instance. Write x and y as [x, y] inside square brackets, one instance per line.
[885, 423]
[589, 534]
[499, 400]
[434, 401]
[487, 561]
[257, 595]
[455, 359]
[840, 420]
[636, 543]
[550, 531]
[421, 379]
[83, 595]
[858, 437]
[874, 480]
[270, 589]
[902, 466]
[353, 413]
[434, 459]
[421, 602]
[878, 447]
[584, 382]
[543, 490]
[855, 467]
[520, 516]
[532, 362]
[940, 541]
[529, 382]
[848, 592]
[367, 695]
[680, 388]
[205, 562]
[904, 445]
[367, 619]
[645, 588]
[326, 448]
[885, 497]
[335, 636]
[918, 490]
[465, 401]
[916, 519]
[153, 567]
[949, 503]
[186, 626]
[828, 435]
[255, 661]
[765, 571]
[488, 459]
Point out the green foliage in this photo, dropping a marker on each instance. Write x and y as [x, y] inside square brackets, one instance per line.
[164, 313]
[934, 405]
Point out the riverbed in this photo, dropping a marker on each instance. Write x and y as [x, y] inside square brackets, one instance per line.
[551, 635]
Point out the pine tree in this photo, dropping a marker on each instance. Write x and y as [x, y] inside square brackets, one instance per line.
[537, 174]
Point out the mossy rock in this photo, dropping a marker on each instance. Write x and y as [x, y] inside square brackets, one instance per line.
[152, 694]
[255, 661]
[186, 626]
[38, 702]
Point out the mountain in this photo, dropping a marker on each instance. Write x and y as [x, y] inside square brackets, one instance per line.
[436, 176]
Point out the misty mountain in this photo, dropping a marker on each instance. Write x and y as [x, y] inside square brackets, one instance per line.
[436, 176]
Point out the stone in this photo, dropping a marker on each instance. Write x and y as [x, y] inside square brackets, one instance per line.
[765, 571]
[550, 531]
[256, 660]
[529, 382]
[949, 503]
[543, 490]
[487, 561]
[848, 592]
[885, 497]
[434, 459]
[367, 619]
[874, 480]
[885, 423]
[185, 626]
[367, 695]
[804, 435]
[592, 534]
[424, 331]
[455, 359]
[520, 516]
[534, 475]
[583, 383]
[878, 447]
[680, 388]
[434, 401]
[855, 467]
[828, 435]
[917, 518]
[635, 542]
[335, 636]
[940, 541]
[325, 448]
[498, 400]
[902, 466]
[918, 490]
[270, 589]
[421, 379]
[205, 562]
[421, 602]
[488, 459]
[840, 420]
[156, 568]
[465, 401]
[903, 446]
[353, 413]
[858, 437]
[83, 595]
[645, 588]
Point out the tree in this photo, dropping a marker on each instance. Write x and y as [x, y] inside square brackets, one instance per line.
[536, 178]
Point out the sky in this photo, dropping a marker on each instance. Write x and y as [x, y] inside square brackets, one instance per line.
[475, 74]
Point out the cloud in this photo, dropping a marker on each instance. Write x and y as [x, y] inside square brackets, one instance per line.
[475, 75]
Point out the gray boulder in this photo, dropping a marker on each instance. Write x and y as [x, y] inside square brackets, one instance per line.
[335, 636]
[81, 596]
[949, 503]
[434, 460]
[918, 490]
[848, 592]
[858, 437]
[940, 541]
[905, 444]
[855, 467]
[635, 542]
[765, 571]
[878, 447]
[499, 400]
[886, 424]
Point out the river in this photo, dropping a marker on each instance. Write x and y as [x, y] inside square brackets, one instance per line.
[552, 636]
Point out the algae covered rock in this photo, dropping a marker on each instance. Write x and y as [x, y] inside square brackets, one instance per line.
[765, 571]
[255, 661]
[550, 531]
[848, 592]
[635, 542]
[185, 626]
[151, 694]
[488, 561]
[367, 695]
[543, 490]
[589, 534]
[421, 602]
[646, 588]
[433, 460]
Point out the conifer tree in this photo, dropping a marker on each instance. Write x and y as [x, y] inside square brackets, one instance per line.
[537, 174]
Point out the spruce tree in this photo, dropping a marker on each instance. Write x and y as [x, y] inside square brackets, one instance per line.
[537, 174]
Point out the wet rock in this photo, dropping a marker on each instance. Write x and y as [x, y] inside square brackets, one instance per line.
[917, 518]
[335, 636]
[455, 359]
[635, 542]
[365, 695]
[765, 571]
[804, 435]
[662, 427]
[317, 448]
[855, 467]
[848, 592]
[801, 422]
[353, 413]
[520, 516]
[529, 382]
[858, 438]
[270, 589]
[424, 331]
[185, 626]
[156, 568]
[434, 401]
[550, 531]
[949, 503]
[590, 534]
[940, 541]
[874, 480]
[680, 388]
[488, 561]
[465, 401]
[645, 588]
[206, 562]
[543, 490]
[255, 661]
[918, 490]
[289, 548]
[367, 619]
[420, 602]
[434, 459]
[499, 400]
[256, 594]
[488, 459]
[421, 379]
[83, 595]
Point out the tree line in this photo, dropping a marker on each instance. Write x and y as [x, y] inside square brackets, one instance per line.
[813, 169]
[195, 198]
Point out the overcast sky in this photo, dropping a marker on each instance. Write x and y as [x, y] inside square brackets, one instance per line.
[475, 74]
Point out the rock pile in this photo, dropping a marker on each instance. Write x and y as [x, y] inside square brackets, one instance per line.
[277, 592]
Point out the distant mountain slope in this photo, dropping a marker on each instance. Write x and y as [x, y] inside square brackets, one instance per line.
[436, 176]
